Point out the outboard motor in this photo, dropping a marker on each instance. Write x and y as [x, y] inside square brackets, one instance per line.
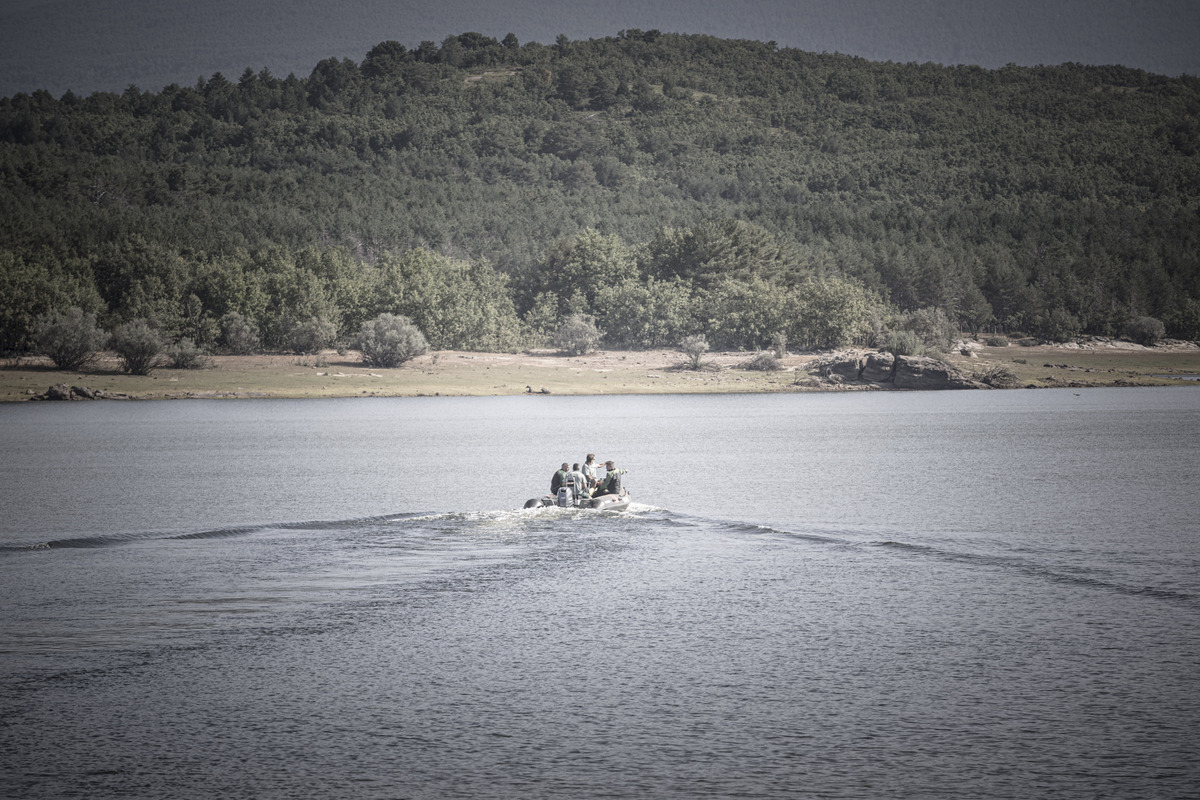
[566, 497]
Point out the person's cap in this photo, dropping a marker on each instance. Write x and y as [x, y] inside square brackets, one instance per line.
[609, 464]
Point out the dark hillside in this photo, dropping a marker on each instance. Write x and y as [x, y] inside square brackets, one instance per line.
[703, 179]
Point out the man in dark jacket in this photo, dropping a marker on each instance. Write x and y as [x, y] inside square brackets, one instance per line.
[612, 480]
[558, 478]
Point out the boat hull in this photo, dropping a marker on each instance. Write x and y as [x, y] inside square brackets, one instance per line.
[607, 502]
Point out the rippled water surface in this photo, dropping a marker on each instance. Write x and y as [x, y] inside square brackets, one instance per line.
[864, 595]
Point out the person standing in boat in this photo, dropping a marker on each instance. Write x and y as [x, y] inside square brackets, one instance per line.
[612, 480]
[558, 478]
[589, 471]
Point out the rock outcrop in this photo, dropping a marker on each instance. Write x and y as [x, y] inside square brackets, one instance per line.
[885, 371]
[921, 372]
[62, 391]
[877, 368]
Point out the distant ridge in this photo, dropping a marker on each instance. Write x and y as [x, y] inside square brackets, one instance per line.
[106, 45]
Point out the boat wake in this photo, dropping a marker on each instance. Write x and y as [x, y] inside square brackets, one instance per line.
[451, 530]
[448, 520]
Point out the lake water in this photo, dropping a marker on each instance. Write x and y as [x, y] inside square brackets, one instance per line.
[883, 595]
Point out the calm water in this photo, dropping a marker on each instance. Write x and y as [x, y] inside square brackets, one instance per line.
[991, 594]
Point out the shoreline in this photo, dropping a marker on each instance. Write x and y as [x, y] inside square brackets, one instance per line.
[469, 374]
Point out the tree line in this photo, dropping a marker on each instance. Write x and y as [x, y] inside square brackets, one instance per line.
[661, 185]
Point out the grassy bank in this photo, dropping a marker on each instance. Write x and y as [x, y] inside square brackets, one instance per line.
[611, 372]
[1046, 366]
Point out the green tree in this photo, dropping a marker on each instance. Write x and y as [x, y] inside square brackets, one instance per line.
[829, 312]
[142, 279]
[578, 335]
[1055, 325]
[70, 339]
[903, 342]
[713, 251]
[457, 304]
[232, 284]
[334, 85]
[744, 315]
[693, 348]
[138, 345]
[309, 336]
[542, 319]
[389, 340]
[1183, 321]
[1146, 330]
[385, 60]
[295, 295]
[582, 265]
[933, 327]
[974, 311]
[184, 354]
[643, 315]
[238, 334]
[31, 287]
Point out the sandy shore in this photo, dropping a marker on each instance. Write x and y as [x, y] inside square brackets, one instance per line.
[453, 373]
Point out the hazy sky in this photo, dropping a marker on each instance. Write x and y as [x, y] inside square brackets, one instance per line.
[88, 45]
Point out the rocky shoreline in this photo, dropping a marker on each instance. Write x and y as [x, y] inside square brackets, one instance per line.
[970, 365]
[64, 391]
[885, 371]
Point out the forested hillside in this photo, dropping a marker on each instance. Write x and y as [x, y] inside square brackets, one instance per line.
[664, 184]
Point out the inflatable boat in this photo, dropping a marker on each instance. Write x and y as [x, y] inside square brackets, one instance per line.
[567, 499]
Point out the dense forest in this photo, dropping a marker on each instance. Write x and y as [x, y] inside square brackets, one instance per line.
[662, 184]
